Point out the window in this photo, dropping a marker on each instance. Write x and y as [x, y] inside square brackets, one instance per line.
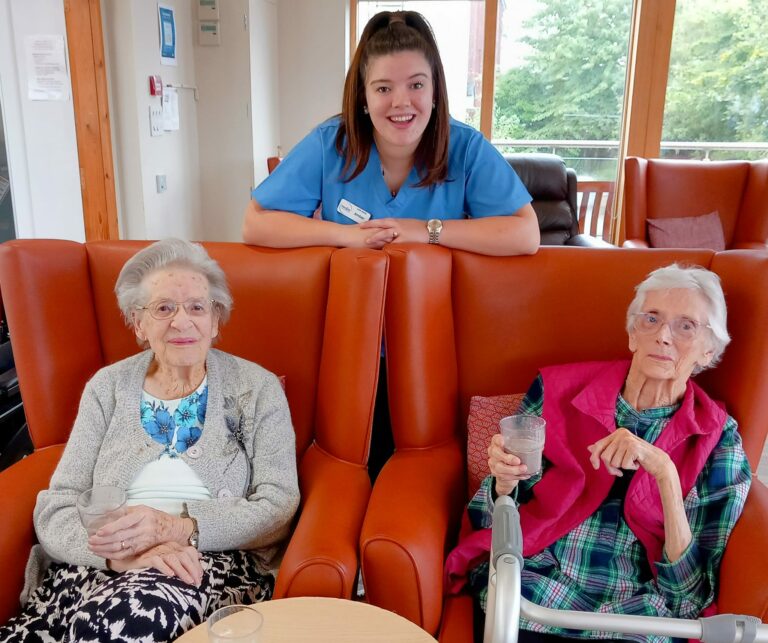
[717, 98]
[561, 69]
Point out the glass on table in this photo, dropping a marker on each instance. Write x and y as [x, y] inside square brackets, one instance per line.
[235, 624]
[99, 506]
[524, 437]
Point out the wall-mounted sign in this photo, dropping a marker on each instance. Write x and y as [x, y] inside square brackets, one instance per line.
[167, 24]
[47, 77]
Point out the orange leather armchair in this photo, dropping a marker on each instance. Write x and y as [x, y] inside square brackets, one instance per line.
[314, 315]
[737, 190]
[460, 324]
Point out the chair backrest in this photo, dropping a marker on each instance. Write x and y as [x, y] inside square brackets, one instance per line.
[553, 188]
[313, 315]
[272, 163]
[595, 199]
[736, 190]
[460, 324]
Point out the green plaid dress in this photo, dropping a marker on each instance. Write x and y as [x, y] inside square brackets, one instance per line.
[600, 566]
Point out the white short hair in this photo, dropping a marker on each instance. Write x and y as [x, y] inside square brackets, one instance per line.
[701, 280]
[164, 254]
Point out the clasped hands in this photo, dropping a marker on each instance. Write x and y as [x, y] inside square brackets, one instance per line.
[376, 233]
[621, 450]
[145, 537]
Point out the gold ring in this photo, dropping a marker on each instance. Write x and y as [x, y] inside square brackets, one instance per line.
[122, 544]
[394, 234]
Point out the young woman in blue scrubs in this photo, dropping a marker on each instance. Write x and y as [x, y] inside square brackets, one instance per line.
[394, 167]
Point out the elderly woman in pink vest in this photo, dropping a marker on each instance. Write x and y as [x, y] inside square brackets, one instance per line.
[644, 476]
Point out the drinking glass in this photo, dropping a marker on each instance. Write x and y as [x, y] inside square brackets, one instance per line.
[100, 505]
[235, 624]
[524, 437]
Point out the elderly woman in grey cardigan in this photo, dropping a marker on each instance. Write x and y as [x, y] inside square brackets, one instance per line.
[202, 443]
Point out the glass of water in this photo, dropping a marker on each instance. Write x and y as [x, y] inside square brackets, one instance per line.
[235, 624]
[524, 436]
[100, 505]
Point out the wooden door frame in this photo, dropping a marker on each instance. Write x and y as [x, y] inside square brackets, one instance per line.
[645, 93]
[85, 42]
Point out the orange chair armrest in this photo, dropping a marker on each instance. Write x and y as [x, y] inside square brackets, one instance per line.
[744, 570]
[412, 520]
[322, 557]
[634, 243]
[19, 486]
[457, 625]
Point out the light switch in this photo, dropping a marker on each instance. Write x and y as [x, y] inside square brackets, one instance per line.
[155, 121]
[162, 186]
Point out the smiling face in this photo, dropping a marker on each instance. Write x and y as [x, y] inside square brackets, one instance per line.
[660, 356]
[398, 93]
[181, 341]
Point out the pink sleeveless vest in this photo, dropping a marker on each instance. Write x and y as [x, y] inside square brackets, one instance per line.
[580, 406]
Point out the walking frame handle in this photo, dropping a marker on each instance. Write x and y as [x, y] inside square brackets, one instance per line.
[505, 603]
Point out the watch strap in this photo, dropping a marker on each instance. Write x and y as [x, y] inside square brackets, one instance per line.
[194, 537]
[434, 231]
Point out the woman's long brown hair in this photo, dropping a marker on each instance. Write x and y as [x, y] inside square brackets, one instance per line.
[386, 33]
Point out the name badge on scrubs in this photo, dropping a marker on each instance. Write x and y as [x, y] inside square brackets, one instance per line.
[352, 211]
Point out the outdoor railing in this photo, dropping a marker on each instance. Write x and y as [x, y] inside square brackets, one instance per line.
[596, 159]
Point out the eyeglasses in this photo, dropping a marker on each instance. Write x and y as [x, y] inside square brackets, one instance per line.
[163, 309]
[681, 328]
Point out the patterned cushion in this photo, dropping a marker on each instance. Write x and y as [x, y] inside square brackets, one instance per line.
[482, 425]
[705, 231]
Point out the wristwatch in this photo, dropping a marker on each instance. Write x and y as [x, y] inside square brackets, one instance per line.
[194, 537]
[434, 227]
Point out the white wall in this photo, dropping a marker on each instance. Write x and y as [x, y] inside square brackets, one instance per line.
[224, 122]
[297, 62]
[131, 40]
[312, 66]
[40, 135]
[265, 88]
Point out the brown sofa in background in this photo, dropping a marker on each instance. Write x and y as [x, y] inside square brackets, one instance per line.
[313, 315]
[736, 190]
[460, 324]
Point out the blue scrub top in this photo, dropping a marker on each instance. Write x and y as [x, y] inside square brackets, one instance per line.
[480, 182]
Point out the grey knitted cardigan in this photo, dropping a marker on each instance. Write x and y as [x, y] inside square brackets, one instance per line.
[109, 446]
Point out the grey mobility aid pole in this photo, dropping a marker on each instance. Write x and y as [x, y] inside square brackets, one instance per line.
[506, 604]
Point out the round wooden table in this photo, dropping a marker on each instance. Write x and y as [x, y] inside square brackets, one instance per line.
[331, 620]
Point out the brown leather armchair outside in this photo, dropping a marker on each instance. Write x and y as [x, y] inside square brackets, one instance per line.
[460, 324]
[553, 188]
[314, 315]
[737, 190]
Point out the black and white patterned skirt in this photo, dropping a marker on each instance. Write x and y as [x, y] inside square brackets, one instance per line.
[83, 604]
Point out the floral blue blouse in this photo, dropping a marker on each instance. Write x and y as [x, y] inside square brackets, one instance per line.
[176, 424]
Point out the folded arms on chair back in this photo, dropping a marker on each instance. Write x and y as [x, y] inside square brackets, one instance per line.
[459, 324]
[662, 189]
[313, 315]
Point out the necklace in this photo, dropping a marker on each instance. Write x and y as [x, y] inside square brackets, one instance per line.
[384, 176]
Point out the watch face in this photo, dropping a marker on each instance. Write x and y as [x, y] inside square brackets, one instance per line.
[434, 225]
